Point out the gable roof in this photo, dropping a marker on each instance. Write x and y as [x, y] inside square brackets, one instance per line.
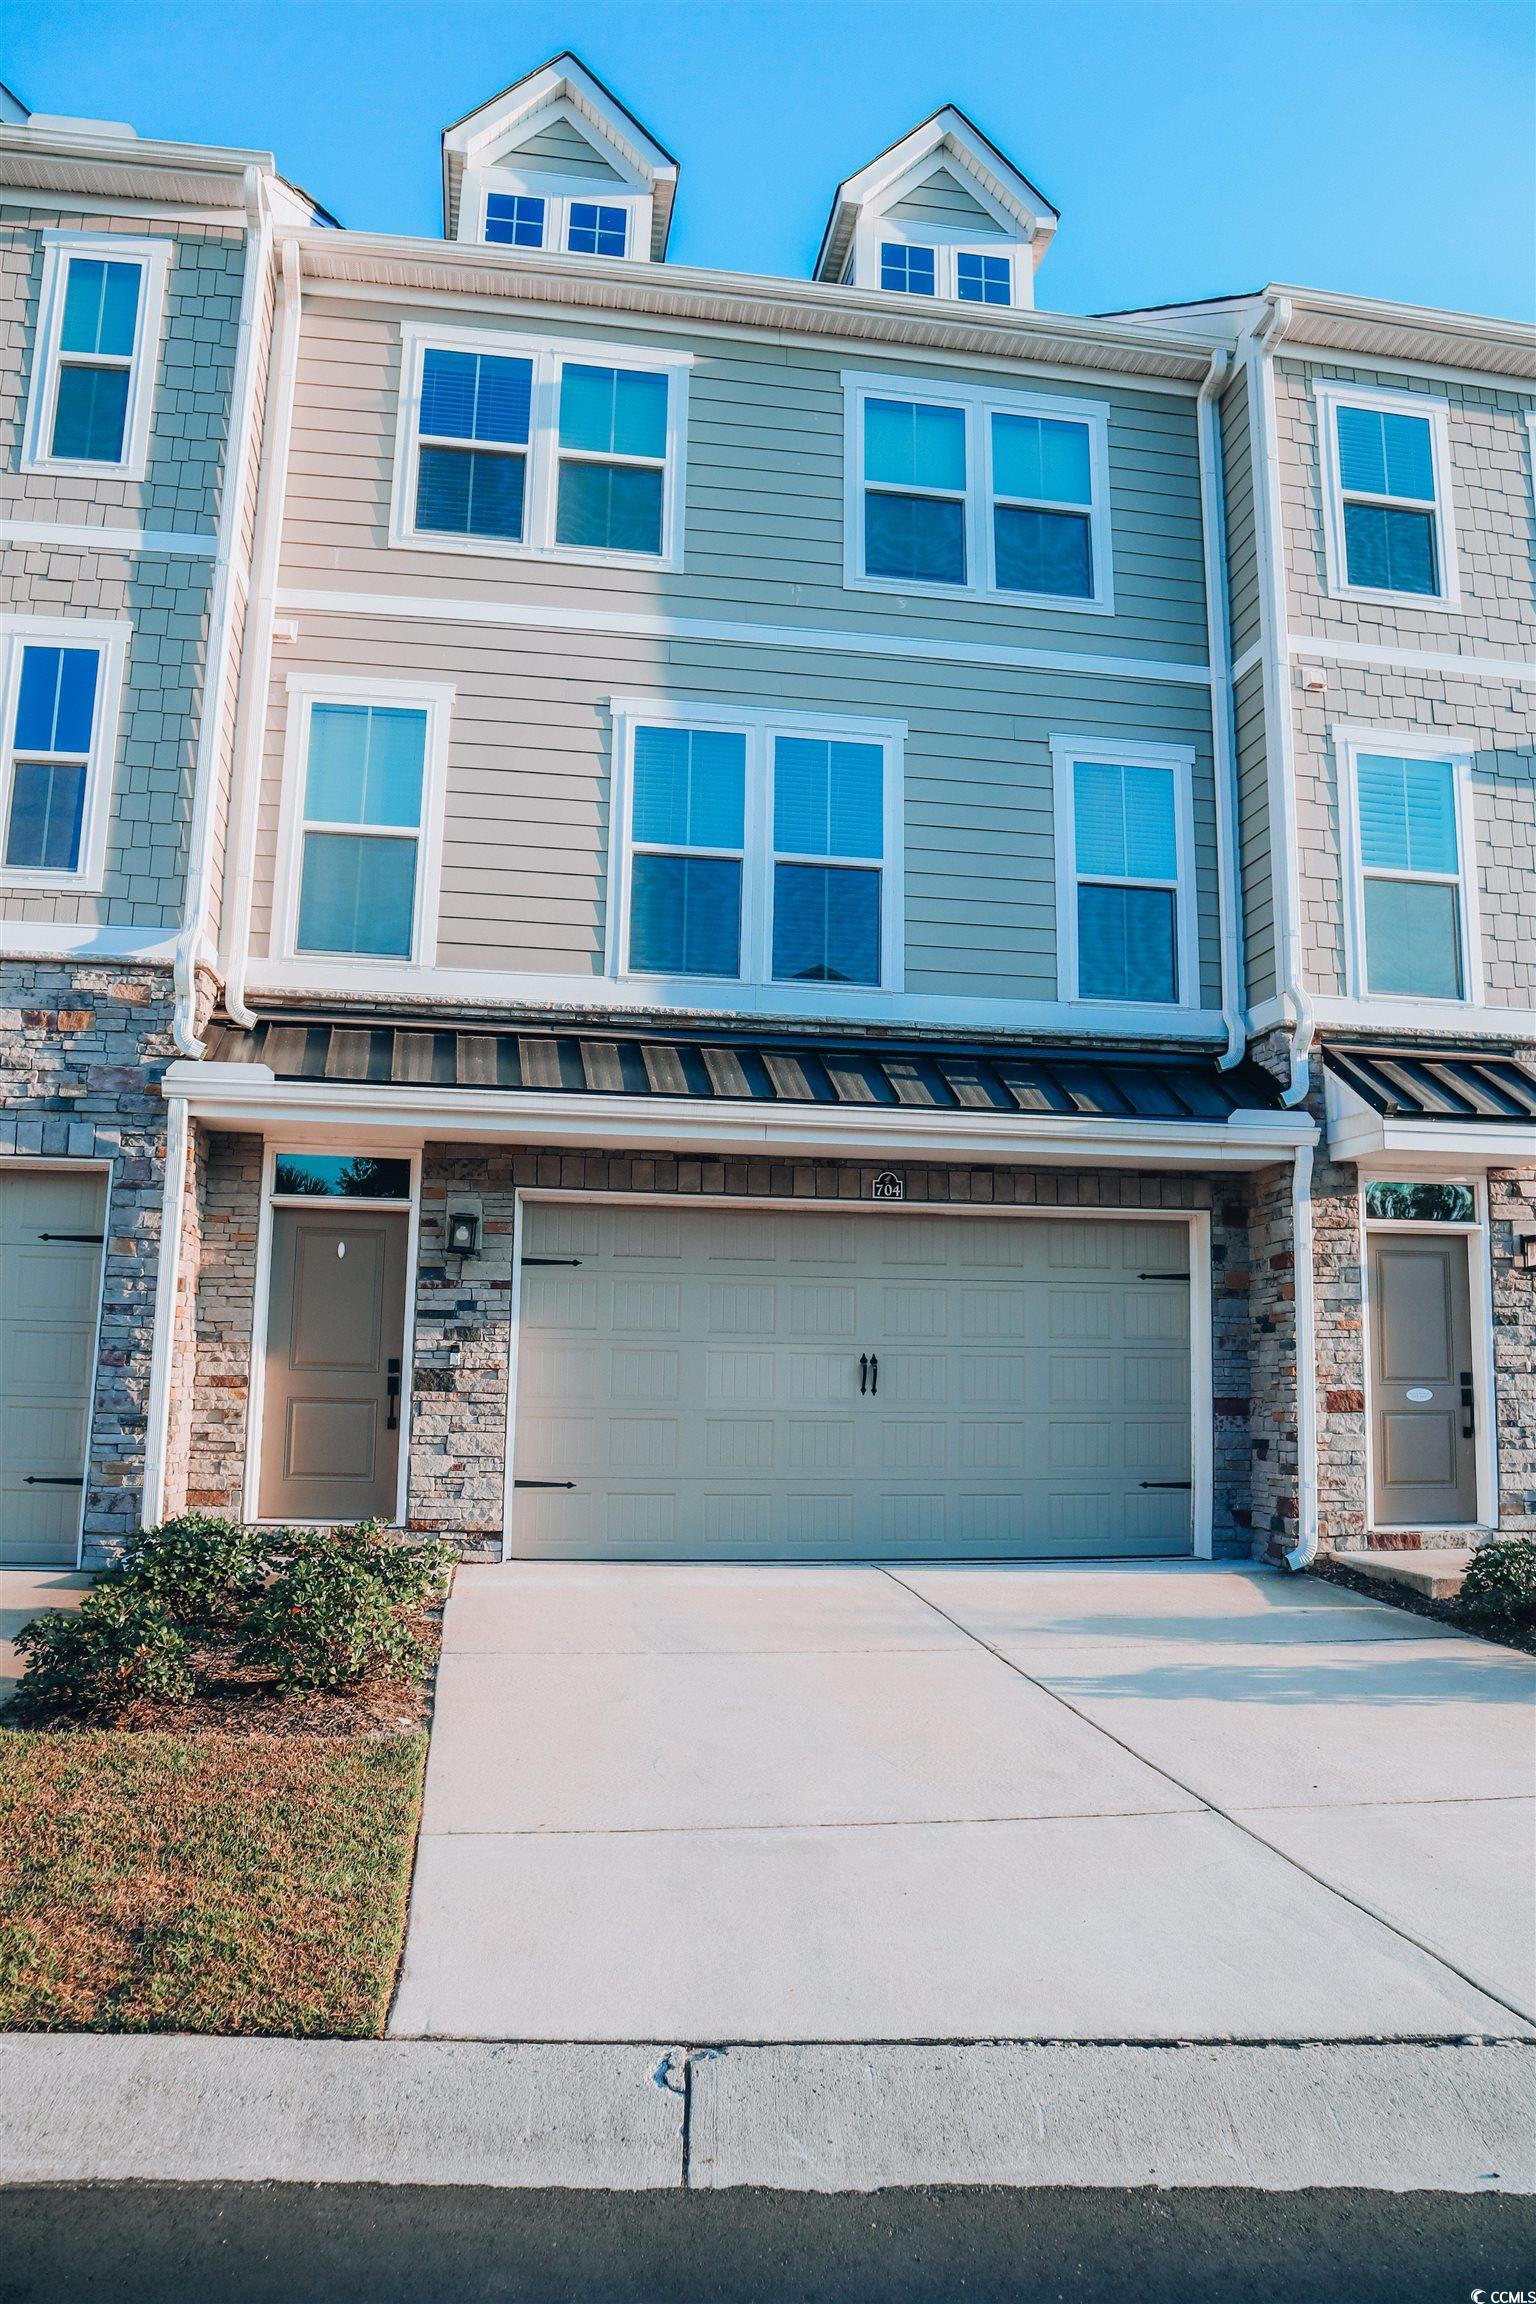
[564, 76]
[947, 133]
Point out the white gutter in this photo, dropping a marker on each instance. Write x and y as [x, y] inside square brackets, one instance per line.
[220, 663]
[1218, 631]
[1258, 347]
[1304, 1551]
[256, 656]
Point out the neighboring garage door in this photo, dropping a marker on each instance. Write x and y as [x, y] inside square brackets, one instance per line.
[50, 1279]
[722, 1384]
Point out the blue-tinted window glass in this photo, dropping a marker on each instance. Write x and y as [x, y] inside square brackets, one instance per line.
[476, 396]
[101, 307]
[1413, 938]
[982, 279]
[1390, 550]
[609, 507]
[1386, 455]
[357, 894]
[1124, 821]
[1043, 458]
[690, 787]
[910, 445]
[911, 271]
[595, 229]
[685, 916]
[90, 414]
[613, 411]
[514, 219]
[57, 701]
[341, 1176]
[1043, 552]
[1125, 944]
[827, 797]
[826, 925]
[365, 764]
[1407, 814]
[917, 539]
[46, 814]
[470, 492]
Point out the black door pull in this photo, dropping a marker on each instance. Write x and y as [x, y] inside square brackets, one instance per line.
[874, 1372]
[1469, 1413]
[863, 1372]
[392, 1420]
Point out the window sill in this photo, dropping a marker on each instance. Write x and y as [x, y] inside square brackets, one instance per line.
[488, 548]
[82, 467]
[18, 880]
[1441, 603]
[893, 588]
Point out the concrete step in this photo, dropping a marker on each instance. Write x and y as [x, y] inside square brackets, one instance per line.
[1435, 1573]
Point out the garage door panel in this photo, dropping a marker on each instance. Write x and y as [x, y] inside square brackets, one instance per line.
[1029, 1381]
[49, 1293]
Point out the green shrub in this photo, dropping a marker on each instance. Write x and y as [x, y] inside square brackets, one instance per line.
[1500, 1583]
[118, 1646]
[327, 1619]
[203, 1569]
[412, 1575]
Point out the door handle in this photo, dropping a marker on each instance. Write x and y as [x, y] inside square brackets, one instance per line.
[1468, 1406]
[863, 1372]
[874, 1372]
[392, 1420]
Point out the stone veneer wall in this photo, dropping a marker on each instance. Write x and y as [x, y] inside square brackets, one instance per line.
[82, 1050]
[1512, 1193]
[462, 1335]
[218, 1380]
[1271, 1306]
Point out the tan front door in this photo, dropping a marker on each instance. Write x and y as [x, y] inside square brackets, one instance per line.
[330, 1446]
[1422, 1392]
[50, 1285]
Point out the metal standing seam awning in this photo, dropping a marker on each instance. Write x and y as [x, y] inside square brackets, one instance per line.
[783, 1092]
[1436, 1103]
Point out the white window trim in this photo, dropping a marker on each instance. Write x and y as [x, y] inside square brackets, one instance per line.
[110, 640]
[1348, 742]
[1332, 395]
[557, 194]
[977, 404]
[306, 689]
[153, 258]
[759, 726]
[547, 354]
[946, 267]
[1066, 752]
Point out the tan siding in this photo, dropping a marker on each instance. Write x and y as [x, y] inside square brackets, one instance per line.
[1254, 838]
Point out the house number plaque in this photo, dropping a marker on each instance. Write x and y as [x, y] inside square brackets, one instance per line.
[888, 1187]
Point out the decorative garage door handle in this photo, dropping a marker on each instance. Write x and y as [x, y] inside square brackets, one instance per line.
[869, 1372]
[543, 1483]
[52, 1480]
[1165, 1483]
[91, 1239]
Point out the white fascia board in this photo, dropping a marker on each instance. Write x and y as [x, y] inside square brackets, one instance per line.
[250, 1094]
[83, 940]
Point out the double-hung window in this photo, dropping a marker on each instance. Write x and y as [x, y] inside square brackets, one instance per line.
[1386, 463]
[364, 800]
[1125, 903]
[99, 318]
[60, 686]
[560, 449]
[514, 219]
[1410, 909]
[994, 493]
[756, 848]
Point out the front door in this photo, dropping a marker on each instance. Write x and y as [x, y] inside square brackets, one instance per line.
[1422, 1394]
[51, 1225]
[330, 1447]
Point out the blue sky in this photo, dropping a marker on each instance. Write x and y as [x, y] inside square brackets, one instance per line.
[1193, 146]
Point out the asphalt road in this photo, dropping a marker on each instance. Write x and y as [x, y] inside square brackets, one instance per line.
[290, 2244]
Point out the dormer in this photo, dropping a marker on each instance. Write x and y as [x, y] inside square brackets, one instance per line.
[941, 214]
[555, 162]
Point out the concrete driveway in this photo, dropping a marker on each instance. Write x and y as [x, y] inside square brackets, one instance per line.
[721, 1803]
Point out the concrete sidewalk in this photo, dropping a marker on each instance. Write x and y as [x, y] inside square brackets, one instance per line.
[1166, 1802]
[25, 1593]
[820, 2118]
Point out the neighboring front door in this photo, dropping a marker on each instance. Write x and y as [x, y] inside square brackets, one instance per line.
[330, 1447]
[50, 1282]
[1422, 1390]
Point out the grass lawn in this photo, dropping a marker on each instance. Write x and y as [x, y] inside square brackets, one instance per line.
[164, 1882]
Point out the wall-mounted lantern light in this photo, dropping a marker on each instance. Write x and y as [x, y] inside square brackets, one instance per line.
[462, 1236]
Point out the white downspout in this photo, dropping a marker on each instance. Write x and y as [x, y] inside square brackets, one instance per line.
[1213, 533]
[220, 659]
[1259, 345]
[1304, 1551]
[256, 661]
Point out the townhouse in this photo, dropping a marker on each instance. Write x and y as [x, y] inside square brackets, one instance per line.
[134, 293]
[781, 973]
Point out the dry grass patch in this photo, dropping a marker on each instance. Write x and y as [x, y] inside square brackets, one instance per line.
[211, 1882]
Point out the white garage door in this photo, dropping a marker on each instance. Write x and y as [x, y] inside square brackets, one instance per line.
[725, 1384]
[50, 1280]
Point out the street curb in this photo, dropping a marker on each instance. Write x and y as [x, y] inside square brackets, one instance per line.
[1387, 2116]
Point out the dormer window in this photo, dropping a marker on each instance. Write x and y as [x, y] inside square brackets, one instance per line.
[910, 271]
[595, 229]
[514, 219]
[983, 279]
